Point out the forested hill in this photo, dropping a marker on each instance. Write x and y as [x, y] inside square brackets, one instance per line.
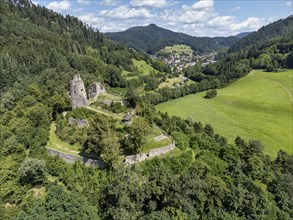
[38, 44]
[243, 34]
[152, 38]
[205, 177]
[280, 28]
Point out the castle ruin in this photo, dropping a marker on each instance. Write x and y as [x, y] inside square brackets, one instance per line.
[77, 92]
[95, 90]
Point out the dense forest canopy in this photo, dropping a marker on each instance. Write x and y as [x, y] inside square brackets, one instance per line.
[204, 178]
[152, 38]
[280, 28]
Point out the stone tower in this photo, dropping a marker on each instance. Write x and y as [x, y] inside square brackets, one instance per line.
[77, 92]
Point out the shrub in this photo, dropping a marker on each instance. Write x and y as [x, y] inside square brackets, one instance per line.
[32, 171]
[211, 94]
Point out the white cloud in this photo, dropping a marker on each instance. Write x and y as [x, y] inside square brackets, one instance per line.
[149, 3]
[59, 6]
[289, 3]
[220, 21]
[124, 12]
[252, 23]
[186, 16]
[83, 2]
[199, 19]
[237, 8]
[35, 2]
[110, 2]
[91, 19]
[78, 9]
[203, 5]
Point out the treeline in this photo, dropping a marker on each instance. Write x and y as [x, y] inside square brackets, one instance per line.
[212, 76]
[206, 179]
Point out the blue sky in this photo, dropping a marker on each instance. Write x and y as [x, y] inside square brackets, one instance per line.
[194, 17]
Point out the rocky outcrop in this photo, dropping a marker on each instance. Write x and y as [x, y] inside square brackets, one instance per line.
[95, 90]
[77, 92]
[69, 158]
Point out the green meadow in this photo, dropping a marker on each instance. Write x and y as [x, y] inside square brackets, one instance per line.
[178, 49]
[257, 106]
[142, 67]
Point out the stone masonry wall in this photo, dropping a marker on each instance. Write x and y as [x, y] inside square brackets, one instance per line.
[161, 150]
[135, 158]
[71, 159]
[132, 159]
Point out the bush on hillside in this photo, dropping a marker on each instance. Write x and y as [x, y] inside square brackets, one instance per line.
[211, 94]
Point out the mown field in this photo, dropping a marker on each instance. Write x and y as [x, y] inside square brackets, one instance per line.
[258, 106]
[178, 49]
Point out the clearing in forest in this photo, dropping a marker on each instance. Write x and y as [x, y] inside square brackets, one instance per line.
[179, 49]
[257, 106]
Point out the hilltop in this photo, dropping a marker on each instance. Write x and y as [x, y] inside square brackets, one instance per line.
[152, 38]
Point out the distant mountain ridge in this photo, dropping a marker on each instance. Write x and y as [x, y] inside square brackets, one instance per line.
[152, 38]
[280, 28]
[243, 34]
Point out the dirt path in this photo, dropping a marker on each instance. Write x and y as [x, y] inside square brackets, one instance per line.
[62, 148]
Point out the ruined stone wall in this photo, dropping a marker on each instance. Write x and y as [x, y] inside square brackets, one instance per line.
[71, 159]
[78, 92]
[132, 159]
[135, 158]
[95, 90]
[161, 150]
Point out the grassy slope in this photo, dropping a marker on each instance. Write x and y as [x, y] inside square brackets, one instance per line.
[258, 106]
[142, 67]
[170, 82]
[59, 145]
[178, 49]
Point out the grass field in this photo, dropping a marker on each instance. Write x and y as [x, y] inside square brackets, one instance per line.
[118, 91]
[57, 144]
[109, 96]
[258, 106]
[170, 82]
[175, 80]
[143, 69]
[178, 49]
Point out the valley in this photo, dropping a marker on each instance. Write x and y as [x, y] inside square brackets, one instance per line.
[182, 111]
